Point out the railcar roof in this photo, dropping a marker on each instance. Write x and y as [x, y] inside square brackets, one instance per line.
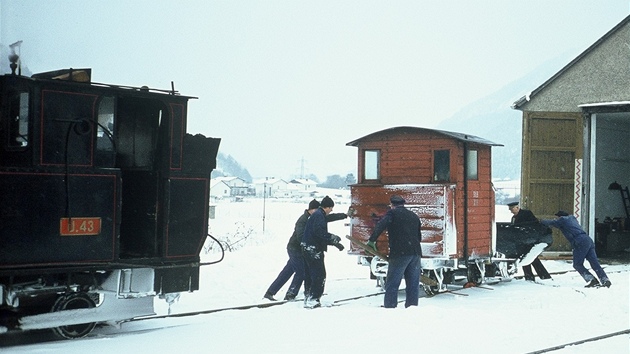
[412, 130]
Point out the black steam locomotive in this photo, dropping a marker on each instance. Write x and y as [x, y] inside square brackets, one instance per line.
[103, 200]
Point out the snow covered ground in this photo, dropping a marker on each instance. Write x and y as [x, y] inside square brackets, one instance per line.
[512, 317]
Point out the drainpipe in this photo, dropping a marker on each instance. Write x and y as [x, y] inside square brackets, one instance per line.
[466, 202]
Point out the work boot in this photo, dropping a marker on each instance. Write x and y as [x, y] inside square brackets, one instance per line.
[269, 296]
[312, 303]
[594, 283]
[607, 283]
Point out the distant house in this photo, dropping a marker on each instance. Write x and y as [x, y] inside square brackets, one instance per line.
[219, 189]
[272, 188]
[238, 186]
[302, 187]
[575, 137]
[224, 187]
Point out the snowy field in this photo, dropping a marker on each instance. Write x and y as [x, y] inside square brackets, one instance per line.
[512, 317]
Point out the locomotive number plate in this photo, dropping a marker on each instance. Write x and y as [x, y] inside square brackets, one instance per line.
[79, 226]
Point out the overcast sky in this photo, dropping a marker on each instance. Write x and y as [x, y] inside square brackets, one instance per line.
[286, 84]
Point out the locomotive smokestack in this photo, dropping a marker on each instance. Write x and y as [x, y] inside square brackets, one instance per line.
[14, 57]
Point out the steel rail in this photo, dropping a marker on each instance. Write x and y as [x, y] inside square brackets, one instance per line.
[583, 341]
[242, 307]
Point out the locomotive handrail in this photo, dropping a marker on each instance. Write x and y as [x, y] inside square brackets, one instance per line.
[73, 126]
[222, 252]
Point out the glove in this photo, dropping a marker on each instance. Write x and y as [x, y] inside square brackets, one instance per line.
[350, 212]
[372, 245]
[335, 239]
[339, 246]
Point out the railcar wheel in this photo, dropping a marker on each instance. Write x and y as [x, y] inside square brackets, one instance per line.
[73, 302]
[430, 290]
[476, 273]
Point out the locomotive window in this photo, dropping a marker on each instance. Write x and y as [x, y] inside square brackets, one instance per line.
[441, 165]
[472, 165]
[18, 112]
[105, 130]
[137, 125]
[371, 166]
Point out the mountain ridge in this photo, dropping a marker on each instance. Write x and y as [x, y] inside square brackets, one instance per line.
[492, 118]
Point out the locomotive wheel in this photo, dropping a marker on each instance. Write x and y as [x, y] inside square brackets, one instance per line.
[430, 290]
[73, 302]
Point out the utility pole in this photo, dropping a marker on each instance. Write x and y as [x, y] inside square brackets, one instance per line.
[264, 202]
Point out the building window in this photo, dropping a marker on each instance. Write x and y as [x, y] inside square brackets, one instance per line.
[441, 165]
[371, 168]
[472, 165]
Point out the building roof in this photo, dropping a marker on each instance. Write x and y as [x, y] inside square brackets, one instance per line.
[414, 130]
[214, 183]
[227, 178]
[523, 100]
[271, 180]
[303, 181]
[614, 106]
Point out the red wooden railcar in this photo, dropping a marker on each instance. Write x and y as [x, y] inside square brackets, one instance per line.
[445, 177]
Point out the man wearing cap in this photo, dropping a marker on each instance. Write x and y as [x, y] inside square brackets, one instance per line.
[520, 216]
[295, 265]
[403, 228]
[314, 243]
[583, 248]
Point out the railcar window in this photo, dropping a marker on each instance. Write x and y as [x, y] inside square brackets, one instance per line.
[18, 108]
[105, 129]
[472, 165]
[371, 166]
[441, 165]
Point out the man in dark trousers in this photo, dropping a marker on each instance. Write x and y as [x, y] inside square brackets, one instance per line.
[403, 227]
[583, 248]
[521, 216]
[314, 243]
[295, 265]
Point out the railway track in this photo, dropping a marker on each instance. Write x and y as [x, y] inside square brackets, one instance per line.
[272, 304]
[454, 290]
[246, 307]
[582, 341]
[282, 302]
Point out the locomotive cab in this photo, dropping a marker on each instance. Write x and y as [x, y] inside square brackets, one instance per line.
[103, 196]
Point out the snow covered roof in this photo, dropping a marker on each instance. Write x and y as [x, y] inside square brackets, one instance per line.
[227, 178]
[605, 104]
[214, 182]
[458, 136]
[269, 181]
[303, 181]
